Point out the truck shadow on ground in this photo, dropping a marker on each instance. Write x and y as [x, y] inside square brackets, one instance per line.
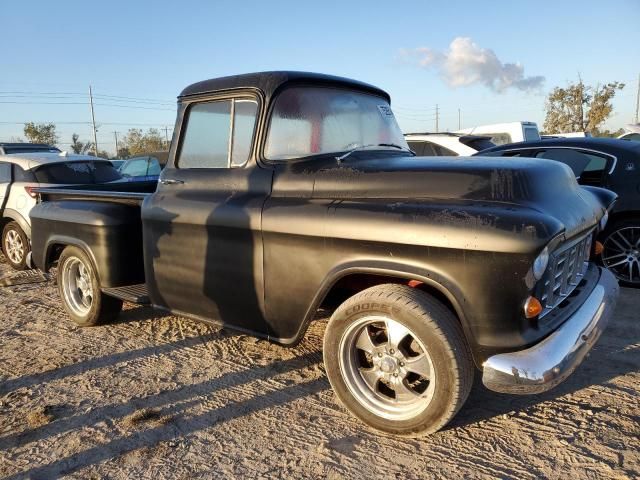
[167, 416]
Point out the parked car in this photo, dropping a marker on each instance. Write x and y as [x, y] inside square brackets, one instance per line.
[144, 167]
[600, 162]
[21, 173]
[632, 133]
[20, 147]
[290, 191]
[502, 133]
[566, 135]
[446, 144]
[117, 163]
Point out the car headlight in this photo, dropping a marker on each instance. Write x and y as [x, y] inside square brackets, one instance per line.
[540, 264]
[604, 220]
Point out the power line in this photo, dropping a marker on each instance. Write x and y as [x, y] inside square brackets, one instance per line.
[27, 94]
[85, 103]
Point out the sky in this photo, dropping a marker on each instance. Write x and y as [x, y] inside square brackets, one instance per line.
[493, 61]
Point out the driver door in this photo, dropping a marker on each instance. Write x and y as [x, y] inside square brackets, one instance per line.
[203, 226]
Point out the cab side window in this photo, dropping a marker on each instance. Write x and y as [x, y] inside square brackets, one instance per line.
[218, 134]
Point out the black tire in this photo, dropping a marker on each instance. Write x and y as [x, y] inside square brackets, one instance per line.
[432, 324]
[13, 229]
[101, 308]
[612, 253]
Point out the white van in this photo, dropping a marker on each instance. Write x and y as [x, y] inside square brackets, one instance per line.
[510, 132]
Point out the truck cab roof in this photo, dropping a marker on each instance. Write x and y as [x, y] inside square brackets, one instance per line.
[270, 82]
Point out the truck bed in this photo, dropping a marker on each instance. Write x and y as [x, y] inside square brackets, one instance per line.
[127, 193]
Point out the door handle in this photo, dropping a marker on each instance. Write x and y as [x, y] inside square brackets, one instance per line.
[170, 181]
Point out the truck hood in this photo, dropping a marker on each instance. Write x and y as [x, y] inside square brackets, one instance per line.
[545, 186]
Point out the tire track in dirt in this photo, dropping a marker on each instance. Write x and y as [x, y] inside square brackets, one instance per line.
[214, 404]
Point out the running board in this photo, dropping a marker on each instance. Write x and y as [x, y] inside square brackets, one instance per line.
[130, 293]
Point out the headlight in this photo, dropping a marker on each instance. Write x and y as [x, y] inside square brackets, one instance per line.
[540, 264]
[604, 220]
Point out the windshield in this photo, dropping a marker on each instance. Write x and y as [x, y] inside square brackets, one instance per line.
[77, 173]
[313, 121]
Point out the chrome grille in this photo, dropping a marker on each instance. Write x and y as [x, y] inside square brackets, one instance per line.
[567, 266]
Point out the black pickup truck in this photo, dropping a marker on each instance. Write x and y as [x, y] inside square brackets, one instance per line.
[287, 192]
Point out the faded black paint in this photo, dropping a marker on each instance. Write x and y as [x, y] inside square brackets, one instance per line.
[258, 247]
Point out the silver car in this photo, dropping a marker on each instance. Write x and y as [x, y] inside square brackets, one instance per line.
[21, 173]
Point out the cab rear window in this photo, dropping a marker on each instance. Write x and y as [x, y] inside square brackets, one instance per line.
[77, 173]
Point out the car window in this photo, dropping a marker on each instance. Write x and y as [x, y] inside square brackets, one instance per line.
[244, 121]
[77, 173]
[205, 143]
[154, 167]
[138, 167]
[5, 172]
[634, 137]
[19, 175]
[444, 151]
[423, 149]
[477, 143]
[501, 138]
[531, 134]
[416, 147]
[587, 166]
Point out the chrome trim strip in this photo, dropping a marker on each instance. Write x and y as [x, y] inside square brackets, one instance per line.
[548, 363]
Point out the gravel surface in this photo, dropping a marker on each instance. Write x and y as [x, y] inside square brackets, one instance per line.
[158, 397]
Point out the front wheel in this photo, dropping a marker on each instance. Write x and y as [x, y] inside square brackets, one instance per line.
[396, 358]
[621, 251]
[79, 289]
[15, 245]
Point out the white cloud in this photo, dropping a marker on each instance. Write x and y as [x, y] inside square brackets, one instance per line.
[465, 63]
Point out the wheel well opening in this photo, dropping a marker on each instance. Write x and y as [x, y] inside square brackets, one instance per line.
[349, 285]
[53, 255]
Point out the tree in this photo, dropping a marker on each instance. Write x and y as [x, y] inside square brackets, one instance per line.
[80, 147]
[123, 153]
[101, 153]
[136, 142]
[41, 133]
[579, 107]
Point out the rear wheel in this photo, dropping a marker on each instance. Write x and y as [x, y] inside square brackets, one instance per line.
[621, 251]
[79, 289]
[15, 245]
[397, 359]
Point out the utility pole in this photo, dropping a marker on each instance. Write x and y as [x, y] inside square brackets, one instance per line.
[459, 120]
[93, 120]
[437, 117]
[638, 99]
[115, 134]
[166, 135]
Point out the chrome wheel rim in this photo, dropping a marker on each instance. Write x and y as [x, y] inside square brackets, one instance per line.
[387, 368]
[14, 247]
[621, 254]
[77, 286]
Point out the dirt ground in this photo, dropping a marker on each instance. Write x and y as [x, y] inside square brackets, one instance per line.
[163, 397]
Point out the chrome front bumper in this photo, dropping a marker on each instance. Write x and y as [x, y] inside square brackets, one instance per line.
[548, 363]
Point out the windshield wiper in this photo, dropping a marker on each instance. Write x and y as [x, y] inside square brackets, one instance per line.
[392, 145]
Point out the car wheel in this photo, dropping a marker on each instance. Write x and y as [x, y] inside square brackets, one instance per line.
[397, 359]
[79, 289]
[15, 246]
[621, 251]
